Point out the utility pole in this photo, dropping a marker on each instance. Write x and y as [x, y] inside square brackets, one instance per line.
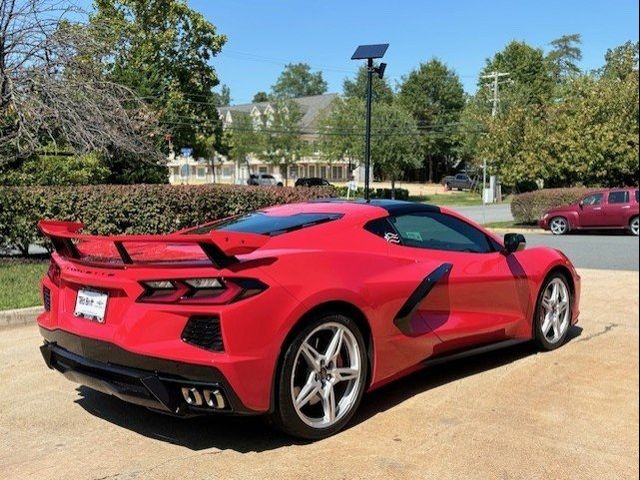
[495, 76]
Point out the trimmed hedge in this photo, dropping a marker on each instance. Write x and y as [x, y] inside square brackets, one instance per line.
[527, 208]
[111, 209]
[401, 193]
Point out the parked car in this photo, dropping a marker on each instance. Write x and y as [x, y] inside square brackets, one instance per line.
[263, 179]
[605, 209]
[294, 311]
[460, 181]
[312, 182]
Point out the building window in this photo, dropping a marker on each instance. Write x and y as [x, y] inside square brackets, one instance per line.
[227, 171]
[202, 172]
[184, 171]
[293, 171]
[312, 170]
[336, 172]
[263, 169]
[323, 171]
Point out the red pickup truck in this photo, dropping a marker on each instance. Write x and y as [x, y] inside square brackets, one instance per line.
[603, 209]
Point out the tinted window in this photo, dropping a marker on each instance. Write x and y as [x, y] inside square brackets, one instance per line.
[461, 177]
[619, 197]
[440, 232]
[263, 224]
[637, 195]
[595, 199]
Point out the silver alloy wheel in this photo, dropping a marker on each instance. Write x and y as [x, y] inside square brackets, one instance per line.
[556, 311]
[558, 226]
[324, 386]
[635, 226]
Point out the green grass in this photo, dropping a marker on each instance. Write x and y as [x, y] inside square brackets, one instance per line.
[510, 224]
[20, 282]
[455, 198]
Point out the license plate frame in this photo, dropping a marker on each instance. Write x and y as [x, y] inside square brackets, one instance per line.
[91, 304]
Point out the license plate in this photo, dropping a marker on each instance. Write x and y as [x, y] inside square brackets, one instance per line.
[91, 304]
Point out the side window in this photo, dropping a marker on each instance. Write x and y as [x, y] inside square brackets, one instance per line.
[382, 228]
[595, 199]
[438, 231]
[619, 197]
[637, 195]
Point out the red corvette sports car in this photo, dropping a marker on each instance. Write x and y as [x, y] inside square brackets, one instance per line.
[294, 311]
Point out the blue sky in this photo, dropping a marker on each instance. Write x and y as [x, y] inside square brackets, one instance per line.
[264, 35]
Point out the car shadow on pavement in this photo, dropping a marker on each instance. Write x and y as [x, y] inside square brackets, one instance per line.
[252, 434]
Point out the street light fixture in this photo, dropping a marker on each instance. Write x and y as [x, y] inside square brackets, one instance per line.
[369, 53]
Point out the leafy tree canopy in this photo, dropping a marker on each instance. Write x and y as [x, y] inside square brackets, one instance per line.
[297, 80]
[565, 55]
[260, 97]
[162, 49]
[622, 61]
[357, 87]
[434, 95]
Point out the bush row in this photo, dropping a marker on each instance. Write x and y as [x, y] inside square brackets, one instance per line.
[110, 209]
[528, 207]
[401, 193]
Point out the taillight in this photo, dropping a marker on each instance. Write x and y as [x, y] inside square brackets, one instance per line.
[210, 291]
[54, 273]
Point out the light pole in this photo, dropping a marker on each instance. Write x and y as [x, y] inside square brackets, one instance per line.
[369, 53]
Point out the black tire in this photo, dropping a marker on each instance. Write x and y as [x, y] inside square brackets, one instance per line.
[541, 340]
[633, 226]
[285, 417]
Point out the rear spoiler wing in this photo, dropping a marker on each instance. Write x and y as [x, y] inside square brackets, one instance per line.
[220, 247]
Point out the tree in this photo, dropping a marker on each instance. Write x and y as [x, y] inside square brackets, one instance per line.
[260, 97]
[341, 131]
[223, 99]
[564, 55]
[394, 136]
[530, 78]
[53, 93]
[242, 138]
[395, 146]
[357, 87]
[434, 95]
[296, 80]
[281, 135]
[621, 61]
[162, 49]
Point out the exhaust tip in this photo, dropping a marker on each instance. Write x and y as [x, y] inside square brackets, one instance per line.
[214, 399]
[192, 396]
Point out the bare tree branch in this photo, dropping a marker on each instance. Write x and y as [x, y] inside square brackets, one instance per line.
[53, 89]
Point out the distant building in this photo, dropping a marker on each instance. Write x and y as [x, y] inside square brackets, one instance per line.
[184, 169]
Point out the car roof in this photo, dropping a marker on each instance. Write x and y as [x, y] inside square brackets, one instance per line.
[361, 208]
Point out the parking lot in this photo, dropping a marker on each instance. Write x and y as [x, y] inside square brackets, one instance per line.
[571, 413]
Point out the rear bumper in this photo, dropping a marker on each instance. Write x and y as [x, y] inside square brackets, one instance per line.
[147, 381]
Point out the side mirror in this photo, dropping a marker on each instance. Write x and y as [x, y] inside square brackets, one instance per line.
[581, 204]
[514, 242]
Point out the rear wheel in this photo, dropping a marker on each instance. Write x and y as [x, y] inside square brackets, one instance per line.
[634, 226]
[559, 225]
[553, 312]
[322, 378]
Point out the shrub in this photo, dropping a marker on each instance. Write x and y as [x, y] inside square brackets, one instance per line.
[528, 207]
[401, 193]
[110, 209]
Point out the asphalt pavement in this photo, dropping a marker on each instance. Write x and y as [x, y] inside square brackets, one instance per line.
[612, 251]
[500, 212]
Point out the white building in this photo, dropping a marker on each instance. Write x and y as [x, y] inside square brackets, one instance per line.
[184, 169]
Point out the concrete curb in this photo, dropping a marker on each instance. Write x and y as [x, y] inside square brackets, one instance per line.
[19, 317]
